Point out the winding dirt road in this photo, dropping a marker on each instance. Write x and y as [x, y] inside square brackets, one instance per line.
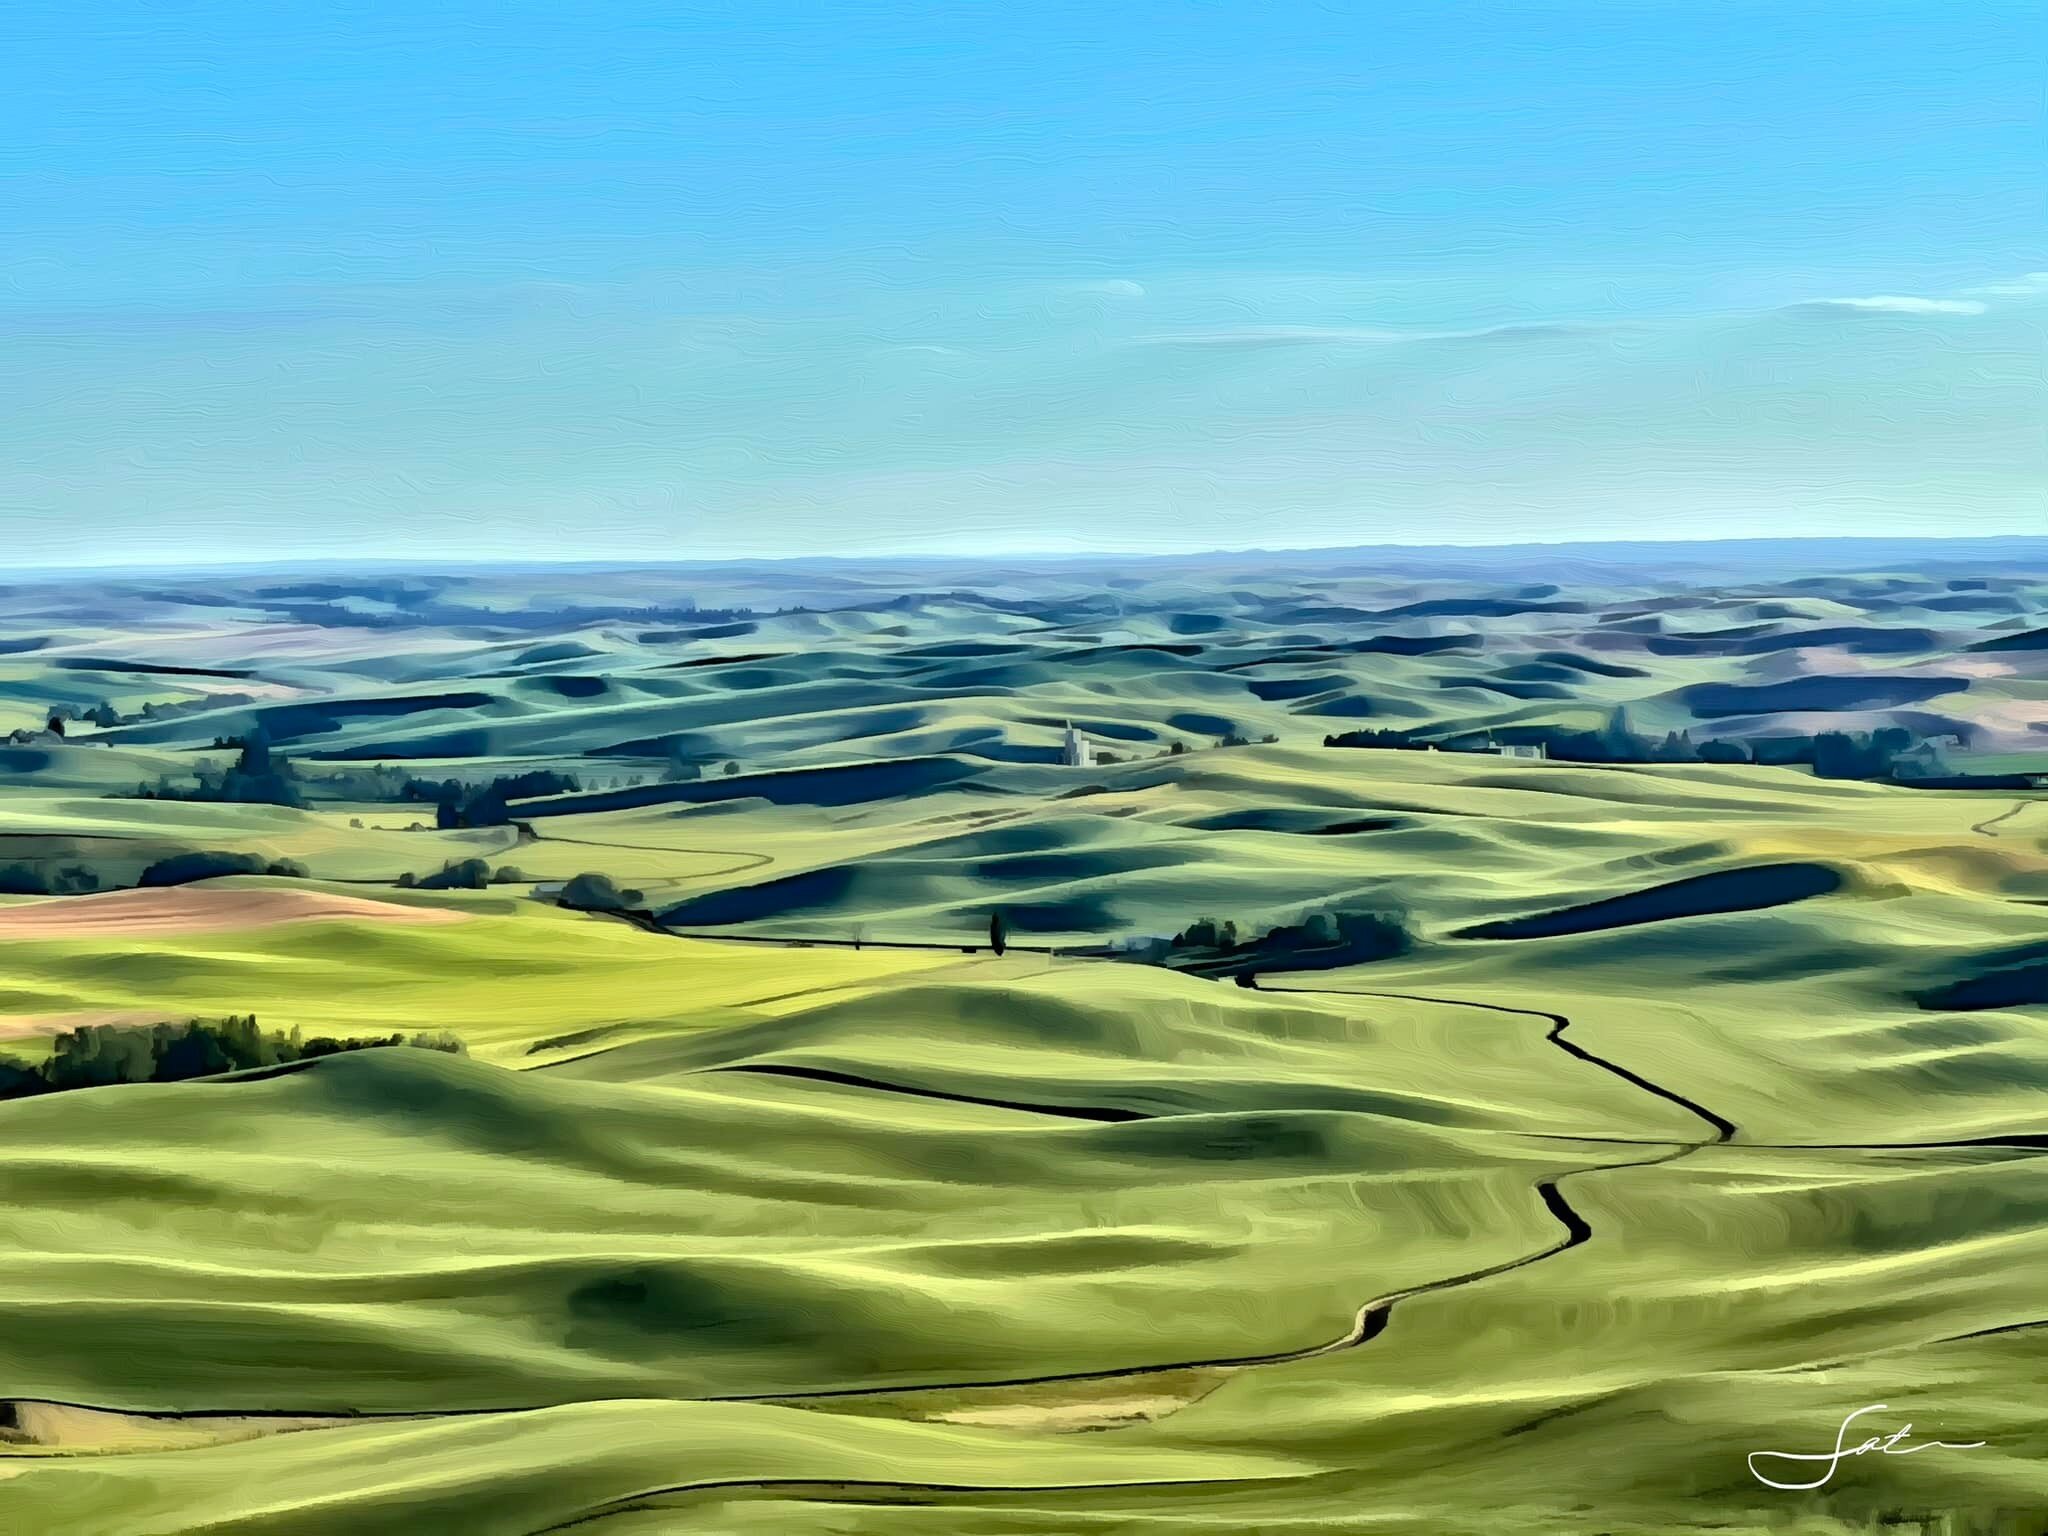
[637, 1503]
[1372, 1318]
[1983, 828]
[1724, 1130]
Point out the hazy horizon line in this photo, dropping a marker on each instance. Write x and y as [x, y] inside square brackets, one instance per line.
[455, 563]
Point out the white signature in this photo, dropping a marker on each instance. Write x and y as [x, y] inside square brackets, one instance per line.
[1887, 1445]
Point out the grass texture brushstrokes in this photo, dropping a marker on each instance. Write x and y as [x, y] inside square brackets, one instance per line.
[687, 1049]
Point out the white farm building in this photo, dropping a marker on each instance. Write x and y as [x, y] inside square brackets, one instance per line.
[1076, 751]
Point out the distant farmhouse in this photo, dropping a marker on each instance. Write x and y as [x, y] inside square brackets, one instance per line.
[1929, 759]
[1076, 751]
[1536, 752]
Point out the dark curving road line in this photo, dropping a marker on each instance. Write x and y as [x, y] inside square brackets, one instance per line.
[747, 860]
[850, 1080]
[1724, 1130]
[1983, 828]
[1372, 1318]
[1369, 1323]
[2018, 1141]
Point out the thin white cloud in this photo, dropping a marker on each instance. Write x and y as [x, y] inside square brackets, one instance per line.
[1903, 304]
[2026, 285]
[1533, 330]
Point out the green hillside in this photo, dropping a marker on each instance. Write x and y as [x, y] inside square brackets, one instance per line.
[1688, 1107]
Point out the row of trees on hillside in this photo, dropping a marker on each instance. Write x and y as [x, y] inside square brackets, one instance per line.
[261, 776]
[53, 878]
[211, 864]
[1831, 754]
[462, 875]
[101, 1055]
[48, 880]
[458, 803]
[1320, 941]
[1221, 947]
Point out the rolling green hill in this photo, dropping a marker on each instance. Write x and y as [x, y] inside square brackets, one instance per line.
[1699, 1108]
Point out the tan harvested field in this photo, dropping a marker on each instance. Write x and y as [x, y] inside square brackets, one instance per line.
[65, 1427]
[192, 910]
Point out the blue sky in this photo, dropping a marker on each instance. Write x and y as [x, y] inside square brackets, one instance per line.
[687, 280]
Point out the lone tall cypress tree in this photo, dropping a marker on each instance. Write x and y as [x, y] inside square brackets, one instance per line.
[998, 933]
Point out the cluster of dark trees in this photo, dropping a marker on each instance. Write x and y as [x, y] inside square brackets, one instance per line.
[106, 717]
[23, 879]
[1179, 748]
[462, 875]
[256, 777]
[593, 892]
[1855, 755]
[260, 776]
[361, 781]
[686, 768]
[210, 864]
[1320, 941]
[99, 1055]
[1613, 742]
[1381, 738]
[34, 880]
[1831, 754]
[457, 804]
